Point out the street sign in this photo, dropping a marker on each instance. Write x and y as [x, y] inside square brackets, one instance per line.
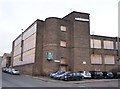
[49, 56]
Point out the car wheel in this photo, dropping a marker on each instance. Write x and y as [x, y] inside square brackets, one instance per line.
[105, 77]
[59, 78]
[66, 79]
[78, 79]
[82, 77]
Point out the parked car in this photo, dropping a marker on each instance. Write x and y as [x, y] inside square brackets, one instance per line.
[55, 73]
[71, 76]
[63, 76]
[59, 75]
[7, 70]
[107, 75]
[96, 74]
[116, 75]
[67, 76]
[10, 70]
[14, 72]
[4, 69]
[85, 74]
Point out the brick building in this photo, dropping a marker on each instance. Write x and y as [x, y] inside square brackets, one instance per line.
[6, 60]
[62, 43]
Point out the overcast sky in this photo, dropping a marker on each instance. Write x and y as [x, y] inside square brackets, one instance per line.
[19, 14]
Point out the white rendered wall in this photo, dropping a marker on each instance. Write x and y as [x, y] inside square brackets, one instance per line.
[29, 42]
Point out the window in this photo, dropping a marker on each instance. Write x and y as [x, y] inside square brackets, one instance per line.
[63, 43]
[63, 28]
[96, 59]
[109, 59]
[108, 45]
[95, 43]
[82, 19]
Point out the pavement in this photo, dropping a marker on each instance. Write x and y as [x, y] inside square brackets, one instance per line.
[48, 79]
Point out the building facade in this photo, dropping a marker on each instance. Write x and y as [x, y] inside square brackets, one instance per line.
[6, 60]
[104, 52]
[62, 44]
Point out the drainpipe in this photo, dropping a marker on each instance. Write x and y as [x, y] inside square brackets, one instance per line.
[22, 45]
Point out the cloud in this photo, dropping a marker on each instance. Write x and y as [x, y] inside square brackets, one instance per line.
[19, 14]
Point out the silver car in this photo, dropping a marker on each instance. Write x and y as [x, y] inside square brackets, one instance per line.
[14, 71]
[85, 74]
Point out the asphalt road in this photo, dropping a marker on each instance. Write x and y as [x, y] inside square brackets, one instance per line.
[28, 81]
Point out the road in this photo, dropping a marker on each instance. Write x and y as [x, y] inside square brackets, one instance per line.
[28, 81]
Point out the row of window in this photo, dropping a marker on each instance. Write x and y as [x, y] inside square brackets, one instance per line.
[94, 43]
[97, 59]
[27, 44]
[63, 43]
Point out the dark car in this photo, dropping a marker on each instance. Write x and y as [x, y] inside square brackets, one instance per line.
[60, 75]
[71, 76]
[107, 75]
[65, 76]
[4, 69]
[77, 76]
[116, 75]
[96, 74]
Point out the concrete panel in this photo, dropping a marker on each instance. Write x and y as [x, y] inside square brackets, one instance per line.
[29, 31]
[17, 50]
[17, 41]
[28, 57]
[29, 43]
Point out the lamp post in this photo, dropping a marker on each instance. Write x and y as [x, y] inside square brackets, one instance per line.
[93, 42]
[93, 46]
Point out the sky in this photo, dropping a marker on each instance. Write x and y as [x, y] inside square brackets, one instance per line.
[19, 14]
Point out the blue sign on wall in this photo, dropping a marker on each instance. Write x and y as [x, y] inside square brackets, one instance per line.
[49, 56]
